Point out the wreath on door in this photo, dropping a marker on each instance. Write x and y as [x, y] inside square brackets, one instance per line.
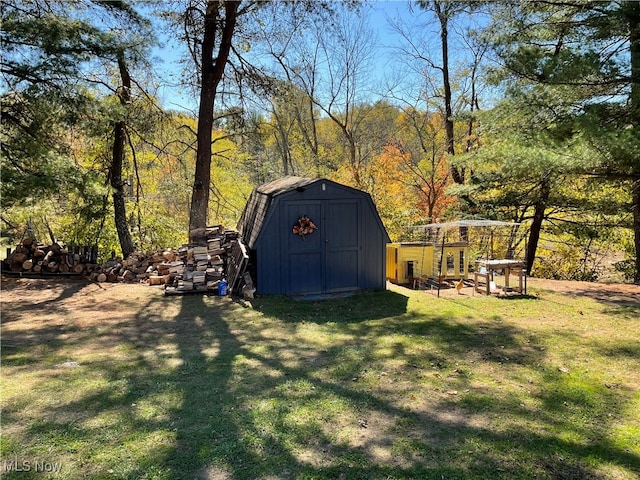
[304, 226]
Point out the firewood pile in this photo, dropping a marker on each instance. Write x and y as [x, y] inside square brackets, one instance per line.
[213, 256]
[137, 267]
[30, 257]
[199, 266]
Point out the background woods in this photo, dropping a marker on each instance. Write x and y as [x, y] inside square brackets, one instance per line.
[524, 112]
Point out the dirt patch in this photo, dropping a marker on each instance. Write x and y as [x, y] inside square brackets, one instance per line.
[39, 292]
[598, 291]
[608, 292]
[37, 311]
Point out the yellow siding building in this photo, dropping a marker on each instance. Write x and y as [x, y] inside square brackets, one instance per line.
[411, 260]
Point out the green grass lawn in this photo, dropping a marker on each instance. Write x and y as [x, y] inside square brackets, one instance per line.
[395, 384]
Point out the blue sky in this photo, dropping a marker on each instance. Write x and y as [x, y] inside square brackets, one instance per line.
[387, 68]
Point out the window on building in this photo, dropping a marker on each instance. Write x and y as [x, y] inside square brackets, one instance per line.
[450, 264]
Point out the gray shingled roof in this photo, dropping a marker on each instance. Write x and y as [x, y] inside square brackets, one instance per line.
[258, 204]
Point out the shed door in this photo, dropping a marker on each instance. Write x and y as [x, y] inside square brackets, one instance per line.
[304, 255]
[328, 259]
[342, 246]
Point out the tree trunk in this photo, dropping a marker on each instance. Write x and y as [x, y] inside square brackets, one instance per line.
[282, 142]
[443, 17]
[353, 158]
[632, 11]
[636, 228]
[212, 72]
[309, 132]
[314, 135]
[115, 172]
[538, 218]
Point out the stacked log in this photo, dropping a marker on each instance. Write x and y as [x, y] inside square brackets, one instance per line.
[212, 254]
[197, 266]
[37, 258]
[204, 261]
[137, 267]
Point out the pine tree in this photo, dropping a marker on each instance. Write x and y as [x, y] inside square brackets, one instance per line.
[575, 66]
[49, 64]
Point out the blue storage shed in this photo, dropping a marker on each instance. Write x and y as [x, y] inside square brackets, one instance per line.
[313, 236]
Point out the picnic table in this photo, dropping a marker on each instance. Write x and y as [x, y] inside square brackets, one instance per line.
[484, 279]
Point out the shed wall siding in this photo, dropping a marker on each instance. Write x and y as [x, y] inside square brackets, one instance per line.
[269, 253]
[346, 252]
[374, 250]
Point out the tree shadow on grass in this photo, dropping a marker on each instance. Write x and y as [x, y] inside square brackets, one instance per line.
[248, 403]
[251, 425]
[208, 442]
[256, 444]
[219, 391]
